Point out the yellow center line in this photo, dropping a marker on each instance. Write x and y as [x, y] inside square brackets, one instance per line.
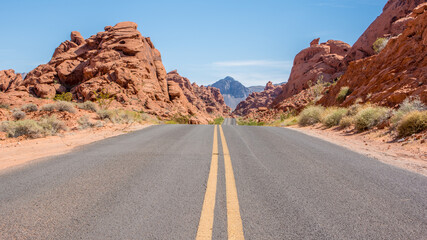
[234, 220]
[207, 216]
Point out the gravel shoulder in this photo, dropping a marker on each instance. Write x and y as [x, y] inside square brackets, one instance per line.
[19, 151]
[409, 153]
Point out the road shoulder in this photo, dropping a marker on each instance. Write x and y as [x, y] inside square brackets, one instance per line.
[16, 152]
[407, 155]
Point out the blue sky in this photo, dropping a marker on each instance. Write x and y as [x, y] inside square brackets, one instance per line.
[253, 41]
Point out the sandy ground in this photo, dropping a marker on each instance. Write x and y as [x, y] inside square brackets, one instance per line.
[14, 152]
[409, 153]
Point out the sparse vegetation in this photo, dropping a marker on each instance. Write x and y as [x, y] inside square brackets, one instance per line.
[407, 106]
[333, 116]
[179, 119]
[370, 117]
[84, 123]
[51, 125]
[316, 89]
[50, 107]
[105, 114]
[4, 106]
[412, 123]
[63, 106]
[31, 107]
[217, 121]
[343, 93]
[18, 114]
[380, 44]
[104, 99]
[310, 115]
[32, 128]
[346, 122]
[88, 105]
[66, 96]
[250, 122]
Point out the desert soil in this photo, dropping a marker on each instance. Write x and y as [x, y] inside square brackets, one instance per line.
[409, 153]
[14, 152]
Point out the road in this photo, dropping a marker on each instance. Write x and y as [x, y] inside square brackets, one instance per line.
[189, 182]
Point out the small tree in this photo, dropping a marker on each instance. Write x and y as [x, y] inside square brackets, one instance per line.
[104, 99]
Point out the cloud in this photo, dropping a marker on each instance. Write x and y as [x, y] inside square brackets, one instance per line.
[254, 63]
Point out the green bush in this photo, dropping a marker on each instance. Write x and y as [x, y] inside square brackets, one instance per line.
[370, 117]
[343, 93]
[48, 107]
[18, 114]
[290, 121]
[51, 125]
[178, 119]
[63, 106]
[126, 116]
[217, 121]
[346, 122]
[333, 116]
[31, 107]
[413, 122]
[310, 115]
[104, 99]
[88, 105]
[380, 44]
[66, 96]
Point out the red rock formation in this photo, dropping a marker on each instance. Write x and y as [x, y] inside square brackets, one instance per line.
[319, 61]
[9, 80]
[397, 72]
[123, 63]
[203, 103]
[391, 22]
[258, 101]
[296, 102]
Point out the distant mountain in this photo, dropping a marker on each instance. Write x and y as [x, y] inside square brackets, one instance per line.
[233, 91]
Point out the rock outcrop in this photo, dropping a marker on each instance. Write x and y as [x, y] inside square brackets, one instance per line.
[320, 61]
[9, 80]
[397, 72]
[204, 103]
[121, 62]
[390, 23]
[258, 101]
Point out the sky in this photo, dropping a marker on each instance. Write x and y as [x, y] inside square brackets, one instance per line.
[251, 40]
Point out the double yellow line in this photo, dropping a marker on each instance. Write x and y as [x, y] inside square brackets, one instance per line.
[234, 220]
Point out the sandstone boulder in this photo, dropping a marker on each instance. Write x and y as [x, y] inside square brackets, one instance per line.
[318, 62]
[9, 80]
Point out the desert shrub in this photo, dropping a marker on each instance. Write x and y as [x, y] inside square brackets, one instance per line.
[217, 121]
[84, 122]
[407, 106]
[310, 115]
[66, 96]
[370, 117]
[4, 106]
[126, 116]
[25, 127]
[380, 44]
[104, 114]
[346, 122]
[250, 122]
[63, 106]
[51, 125]
[290, 121]
[88, 105]
[31, 107]
[316, 88]
[413, 122]
[178, 119]
[343, 93]
[18, 114]
[333, 116]
[104, 99]
[48, 107]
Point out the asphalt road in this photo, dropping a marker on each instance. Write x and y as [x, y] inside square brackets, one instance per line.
[171, 182]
